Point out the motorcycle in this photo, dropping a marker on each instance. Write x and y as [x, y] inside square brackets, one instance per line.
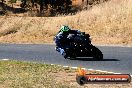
[80, 46]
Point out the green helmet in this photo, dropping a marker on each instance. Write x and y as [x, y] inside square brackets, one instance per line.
[64, 28]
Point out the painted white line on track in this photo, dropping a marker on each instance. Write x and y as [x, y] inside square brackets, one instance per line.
[83, 68]
[65, 66]
[117, 73]
[90, 69]
[74, 67]
[111, 72]
[5, 59]
[104, 71]
[59, 65]
[99, 70]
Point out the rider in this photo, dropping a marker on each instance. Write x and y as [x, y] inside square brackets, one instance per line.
[61, 37]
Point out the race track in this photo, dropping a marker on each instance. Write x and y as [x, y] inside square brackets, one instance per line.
[116, 59]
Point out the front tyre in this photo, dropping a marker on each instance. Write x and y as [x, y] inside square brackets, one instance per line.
[65, 55]
[69, 54]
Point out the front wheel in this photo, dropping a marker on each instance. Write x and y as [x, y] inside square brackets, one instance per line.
[65, 55]
[69, 54]
[71, 57]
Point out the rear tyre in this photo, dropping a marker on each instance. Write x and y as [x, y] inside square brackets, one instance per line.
[99, 57]
[97, 54]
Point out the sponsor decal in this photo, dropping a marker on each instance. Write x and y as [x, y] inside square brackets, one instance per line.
[83, 78]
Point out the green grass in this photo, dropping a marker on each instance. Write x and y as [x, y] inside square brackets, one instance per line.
[17, 74]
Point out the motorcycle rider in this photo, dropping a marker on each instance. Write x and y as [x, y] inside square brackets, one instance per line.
[61, 38]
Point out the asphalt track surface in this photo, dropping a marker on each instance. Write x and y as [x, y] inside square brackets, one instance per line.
[116, 59]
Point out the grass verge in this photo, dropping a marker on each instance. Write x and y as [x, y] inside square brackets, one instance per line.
[18, 74]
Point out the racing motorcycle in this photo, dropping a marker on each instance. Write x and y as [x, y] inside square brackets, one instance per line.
[80, 46]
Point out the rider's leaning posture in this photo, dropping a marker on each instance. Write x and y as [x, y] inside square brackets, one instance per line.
[61, 37]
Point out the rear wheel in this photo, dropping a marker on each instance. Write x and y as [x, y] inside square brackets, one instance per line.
[99, 57]
[97, 54]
